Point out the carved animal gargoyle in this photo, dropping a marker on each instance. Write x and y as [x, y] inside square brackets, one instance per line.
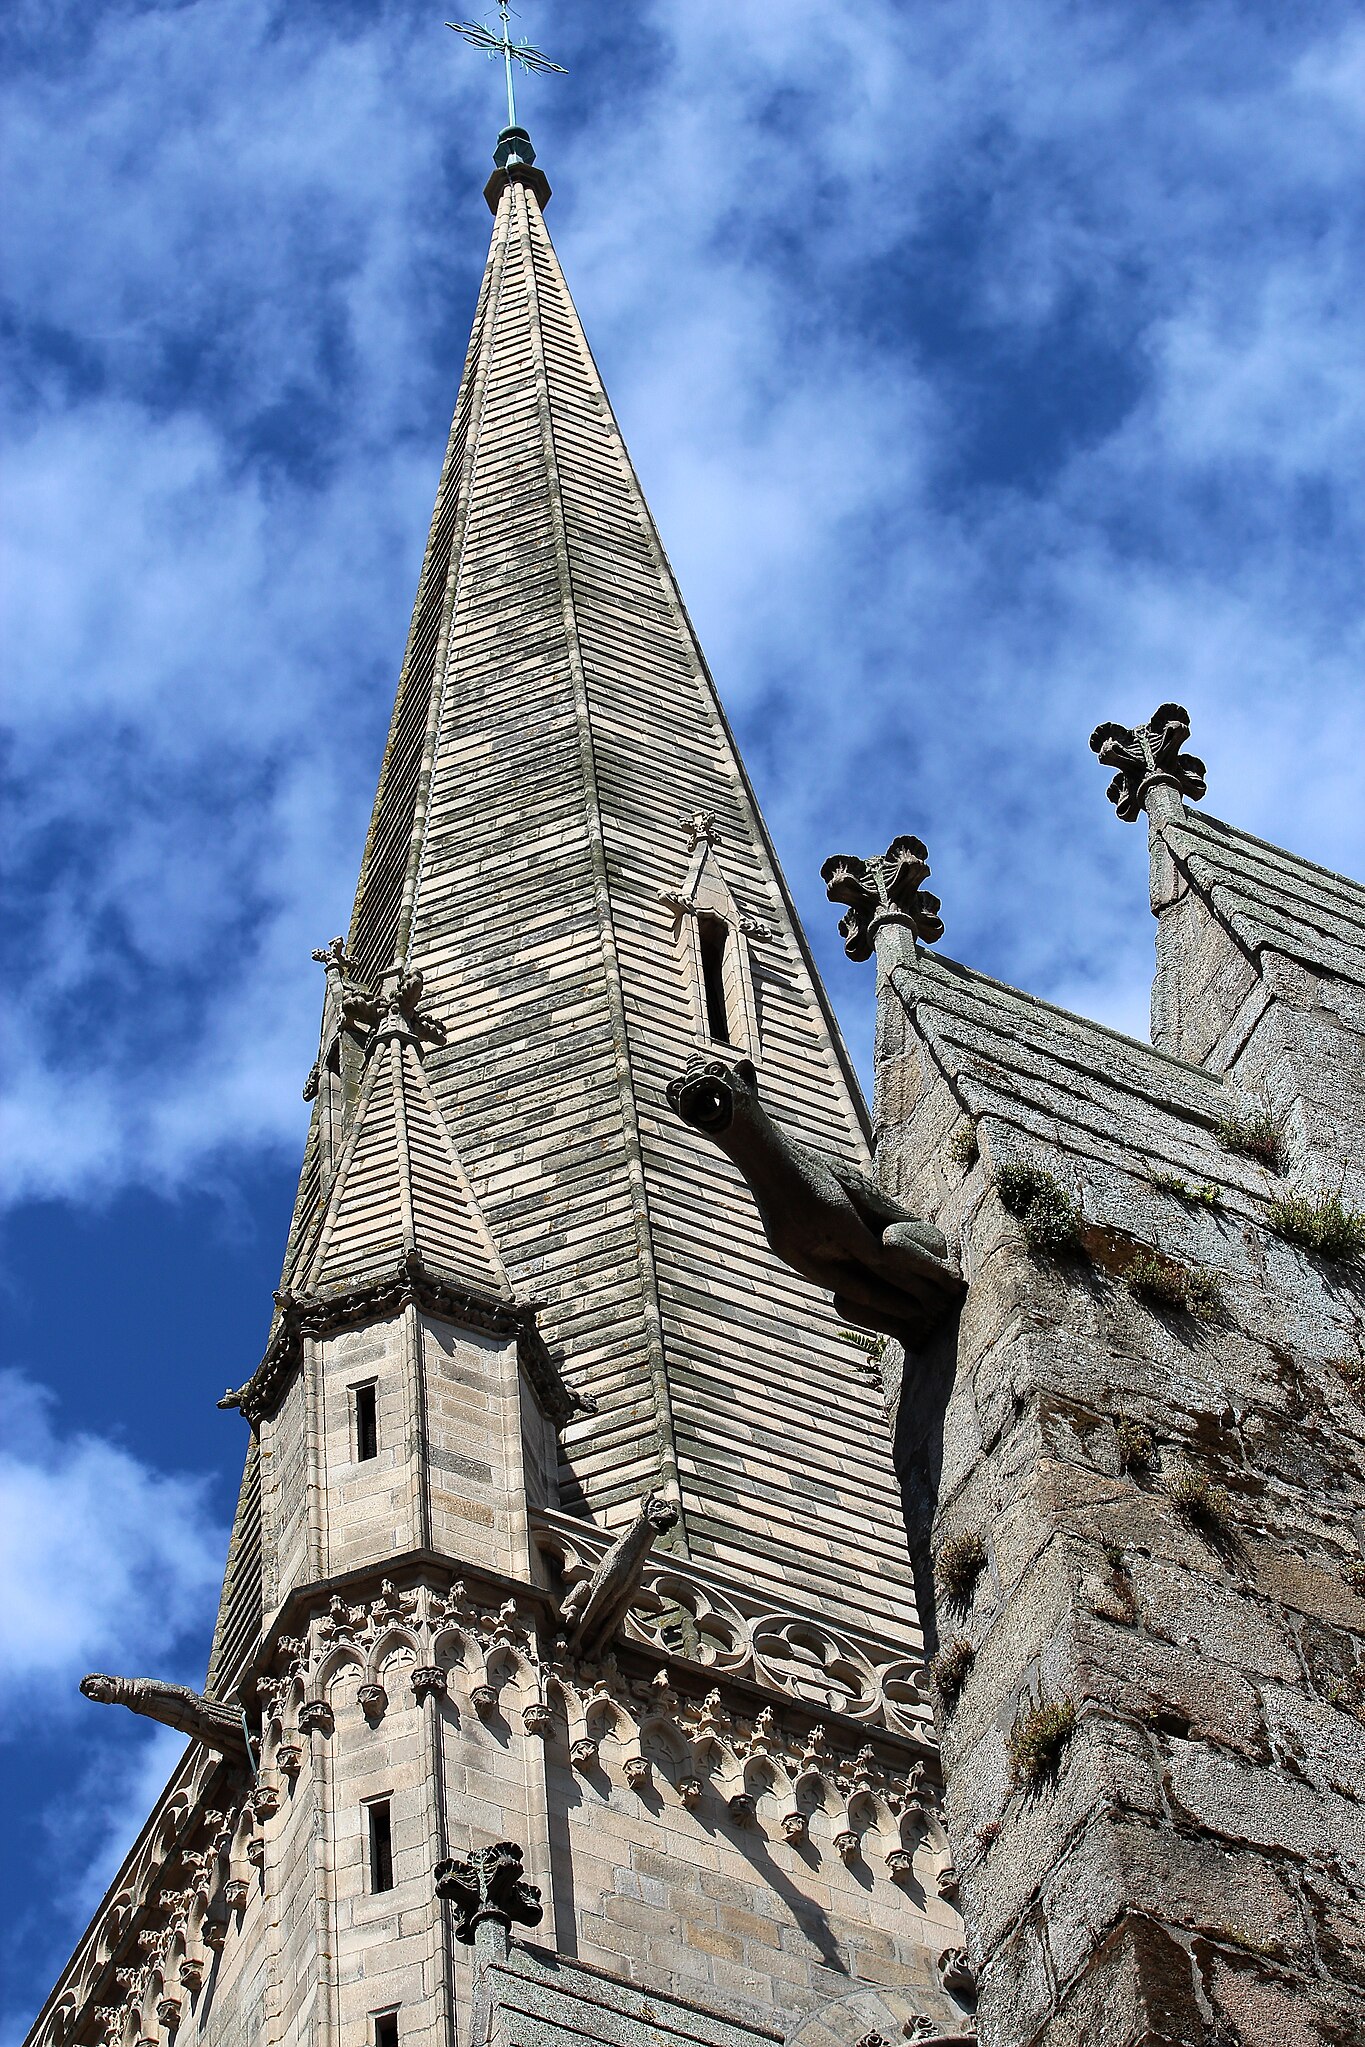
[207, 1720]
[594, 1608]
[822, 1217]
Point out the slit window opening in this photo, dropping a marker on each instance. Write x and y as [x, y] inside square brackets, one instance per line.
[366, 1424]
[381, 1850]
[713, 934]
[386, 2029]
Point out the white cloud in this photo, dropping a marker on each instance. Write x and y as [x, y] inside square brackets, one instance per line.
[247, 263]
[102, 1558]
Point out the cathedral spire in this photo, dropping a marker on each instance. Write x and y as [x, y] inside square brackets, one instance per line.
[554, 720]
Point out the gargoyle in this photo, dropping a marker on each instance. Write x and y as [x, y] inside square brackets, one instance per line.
[822, 1217]
[207, 1720]
[594, 1608]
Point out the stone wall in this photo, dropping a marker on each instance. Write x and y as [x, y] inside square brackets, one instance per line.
[1146, 1497]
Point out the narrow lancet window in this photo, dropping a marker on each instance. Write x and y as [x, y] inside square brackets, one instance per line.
[714, 934]
[366, 1424]
[381, 1851]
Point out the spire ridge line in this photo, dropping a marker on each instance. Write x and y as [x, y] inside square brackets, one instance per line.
[630, 1115]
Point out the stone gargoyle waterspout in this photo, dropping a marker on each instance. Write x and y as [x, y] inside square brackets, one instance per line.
[823, 1217]
[207, 1720]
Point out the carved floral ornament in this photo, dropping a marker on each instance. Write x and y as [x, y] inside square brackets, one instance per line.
[884, 890]
[1147, 757]
[372, 1016]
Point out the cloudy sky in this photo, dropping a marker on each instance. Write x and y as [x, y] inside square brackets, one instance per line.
[992, 366]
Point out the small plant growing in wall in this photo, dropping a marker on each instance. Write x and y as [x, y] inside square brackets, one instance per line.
[1199, 1501]
[1136, 1443]
[963, 1148]
[949, 1669]
[1037, 1741]
[1205, 1193]
[961, 1561]
[1255, 1134]
[1324, 1227]
[1195, 1289]
[1051, 1219]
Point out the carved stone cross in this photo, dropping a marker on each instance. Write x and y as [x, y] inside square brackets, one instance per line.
[1148, 757]
[883, 890]
[486, 1888]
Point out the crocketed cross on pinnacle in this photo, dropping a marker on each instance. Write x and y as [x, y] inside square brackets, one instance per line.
[1148, 757]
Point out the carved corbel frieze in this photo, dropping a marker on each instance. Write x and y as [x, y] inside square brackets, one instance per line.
[1148, 757]
[880, 891]
[487, 1886]
[428, 1681]
[956, 1974]
[316, 1717]
[373, 1699]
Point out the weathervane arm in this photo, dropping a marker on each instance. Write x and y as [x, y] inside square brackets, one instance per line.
[503, 6]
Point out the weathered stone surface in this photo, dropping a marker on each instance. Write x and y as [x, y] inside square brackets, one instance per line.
[1172, 1500]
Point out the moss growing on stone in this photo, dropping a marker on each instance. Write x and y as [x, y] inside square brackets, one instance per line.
[1255, 1134]
[1193, 1288]
[962, 1145]
[1324, 1227]
[1199, 1501]
[1037, 1740]
[961, 1561]
[1051, 1219]
[1137, 1444]
[949, 1668]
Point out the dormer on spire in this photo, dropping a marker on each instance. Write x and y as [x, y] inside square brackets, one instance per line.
[1148, 758]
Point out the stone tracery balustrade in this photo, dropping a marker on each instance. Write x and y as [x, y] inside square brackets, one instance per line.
[692, 1613]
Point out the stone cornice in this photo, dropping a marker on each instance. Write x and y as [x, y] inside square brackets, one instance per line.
[411, 1284]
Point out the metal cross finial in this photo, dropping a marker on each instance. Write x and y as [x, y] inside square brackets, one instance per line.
[529, 58]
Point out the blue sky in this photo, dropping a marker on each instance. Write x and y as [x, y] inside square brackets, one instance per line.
[992, 369]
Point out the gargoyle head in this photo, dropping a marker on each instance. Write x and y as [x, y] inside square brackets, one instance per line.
[660, 1512]
[103, 1690]
[708, 1095]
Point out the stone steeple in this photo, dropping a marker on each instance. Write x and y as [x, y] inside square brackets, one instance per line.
[568, 1539]
[535, 855]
